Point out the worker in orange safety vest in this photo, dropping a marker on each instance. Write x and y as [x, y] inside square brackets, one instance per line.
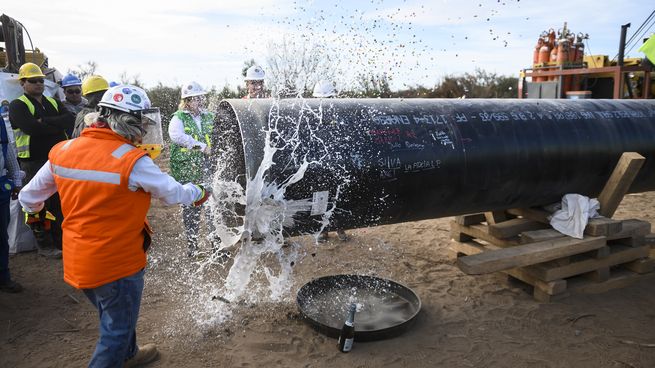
[105, 202]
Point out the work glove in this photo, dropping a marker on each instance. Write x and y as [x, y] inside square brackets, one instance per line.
[205, 193]
[39, 221]
[14, 193]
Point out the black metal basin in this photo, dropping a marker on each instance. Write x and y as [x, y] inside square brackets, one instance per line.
[385, 308]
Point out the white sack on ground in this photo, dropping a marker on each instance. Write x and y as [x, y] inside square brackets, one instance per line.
[575, 212]
[21, 238]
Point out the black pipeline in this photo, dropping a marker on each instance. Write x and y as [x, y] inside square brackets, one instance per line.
[397, 160]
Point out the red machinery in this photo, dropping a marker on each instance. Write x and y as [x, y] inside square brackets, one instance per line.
[560, 69]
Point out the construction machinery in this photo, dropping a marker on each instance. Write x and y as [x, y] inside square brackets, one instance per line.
[560, 69]
[13, 54]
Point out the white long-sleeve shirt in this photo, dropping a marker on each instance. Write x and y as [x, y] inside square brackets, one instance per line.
[145, 175]
[179, 137]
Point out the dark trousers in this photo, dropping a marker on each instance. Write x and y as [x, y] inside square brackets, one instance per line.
[4, 243]
[191, 219]
[51, 239]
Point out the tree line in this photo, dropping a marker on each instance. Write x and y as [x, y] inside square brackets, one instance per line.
[479, 84]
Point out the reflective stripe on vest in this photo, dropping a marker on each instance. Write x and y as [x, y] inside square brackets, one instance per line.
[87, 175]
[22, 139]
[122, 150]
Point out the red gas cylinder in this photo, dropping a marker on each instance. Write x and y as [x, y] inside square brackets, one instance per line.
[562, 59]
[544, 56]
[553, 53]
[535, 54]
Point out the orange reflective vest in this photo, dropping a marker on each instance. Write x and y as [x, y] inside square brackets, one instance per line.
[104, 221]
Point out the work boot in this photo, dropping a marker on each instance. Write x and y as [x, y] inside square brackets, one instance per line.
[50, 253]
[11, 287]
[342, 235]
[147, 353]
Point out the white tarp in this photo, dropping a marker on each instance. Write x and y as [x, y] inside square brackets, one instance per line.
[574, 214]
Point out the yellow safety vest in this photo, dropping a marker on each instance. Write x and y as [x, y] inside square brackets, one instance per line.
[22, 139]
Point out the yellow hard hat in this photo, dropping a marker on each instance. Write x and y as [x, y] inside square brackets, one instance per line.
[30, 70]
[94, 83]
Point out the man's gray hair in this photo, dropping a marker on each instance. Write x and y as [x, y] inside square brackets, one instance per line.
[123, 124]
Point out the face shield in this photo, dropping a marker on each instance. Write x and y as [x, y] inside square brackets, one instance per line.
[153, 139]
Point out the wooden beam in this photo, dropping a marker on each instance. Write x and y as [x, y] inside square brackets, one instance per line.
[644, 265]
[549, 287]
[527, 254]
[479, 232]
[472, 219]
[631, 228]
[619, 254]
[513, 227]
[534, 214]
[619, 279]
[540, 235]
[495, 217]
[619, 182]
[603, 226]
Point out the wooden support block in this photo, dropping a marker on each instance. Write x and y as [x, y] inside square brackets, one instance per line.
[599, 275]
[631, 228]
[644, 265]
[470, 247]
[601, 253]
[534, 236]
[480, 232]
[650, 240]
[535, 214]
[458, 235]
[635, 241]
[619, 279]
[527, 254]
[619, 182]
[514, 227]
[472, 219]
[620, 254]
[549, 287]
[495, 217]
[603, 226]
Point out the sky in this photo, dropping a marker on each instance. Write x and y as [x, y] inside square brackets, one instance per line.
[411, 42]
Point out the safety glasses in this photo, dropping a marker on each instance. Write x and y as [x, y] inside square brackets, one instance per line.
[35, 80]
[73, 91]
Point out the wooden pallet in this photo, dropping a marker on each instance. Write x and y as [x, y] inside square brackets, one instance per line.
[609, 262]
[520, 243]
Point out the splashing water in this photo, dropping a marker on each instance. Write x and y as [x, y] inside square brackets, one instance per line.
[256, 239]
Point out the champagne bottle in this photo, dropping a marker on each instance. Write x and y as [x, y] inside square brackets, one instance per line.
[347, 335]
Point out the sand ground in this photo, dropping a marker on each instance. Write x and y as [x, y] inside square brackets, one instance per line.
[466, 321]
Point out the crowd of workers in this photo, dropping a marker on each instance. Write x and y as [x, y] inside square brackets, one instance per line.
[92, 213]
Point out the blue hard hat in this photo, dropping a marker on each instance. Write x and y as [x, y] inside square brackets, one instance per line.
[113, 84]
[70, 80]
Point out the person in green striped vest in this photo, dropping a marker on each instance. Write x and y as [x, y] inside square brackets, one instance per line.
[190, 131]
[39, 122]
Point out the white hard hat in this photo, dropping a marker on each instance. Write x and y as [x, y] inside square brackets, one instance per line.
[192, 89]
[254, 73]
[324, 88]
[126, 98]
